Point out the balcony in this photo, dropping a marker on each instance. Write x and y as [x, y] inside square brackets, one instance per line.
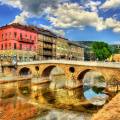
[47, 53]
[47, 46]
[25, 40]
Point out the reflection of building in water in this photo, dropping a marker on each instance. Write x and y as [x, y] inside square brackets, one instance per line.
[93, 78]
[58, 78]
[94, 83]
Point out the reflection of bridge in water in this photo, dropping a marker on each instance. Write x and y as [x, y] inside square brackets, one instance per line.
[62, 74]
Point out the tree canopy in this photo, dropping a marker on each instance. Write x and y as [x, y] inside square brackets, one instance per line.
[101, 50]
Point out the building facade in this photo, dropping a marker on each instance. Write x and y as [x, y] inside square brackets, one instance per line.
[76, 52]
[30, 43]
[62, 48]
[46, 44]
[18, 40]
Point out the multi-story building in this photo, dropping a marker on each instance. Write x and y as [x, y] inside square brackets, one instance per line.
[46, 44]
[89, 55]
[18, 40]
[30, 43]
[62, 48]
[76, 52]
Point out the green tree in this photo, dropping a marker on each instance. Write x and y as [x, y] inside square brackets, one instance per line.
[101, 50]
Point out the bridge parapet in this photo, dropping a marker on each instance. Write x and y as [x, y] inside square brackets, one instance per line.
[73, 62]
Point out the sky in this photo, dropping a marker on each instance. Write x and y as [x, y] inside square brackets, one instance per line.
[77, 20]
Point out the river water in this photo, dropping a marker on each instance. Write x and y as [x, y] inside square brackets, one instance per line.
[93, 85]
[56, 114]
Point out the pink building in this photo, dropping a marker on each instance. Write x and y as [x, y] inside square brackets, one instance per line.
[19, 40]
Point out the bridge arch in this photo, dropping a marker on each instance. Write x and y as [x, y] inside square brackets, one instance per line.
[82, 74]
[46, 72]
[25, 71]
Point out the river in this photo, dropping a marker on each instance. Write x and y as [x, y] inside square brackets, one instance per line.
[56, 114]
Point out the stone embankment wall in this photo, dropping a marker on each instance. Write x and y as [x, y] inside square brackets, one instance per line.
[111, 111]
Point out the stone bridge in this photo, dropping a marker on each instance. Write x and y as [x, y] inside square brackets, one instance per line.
[76, 69]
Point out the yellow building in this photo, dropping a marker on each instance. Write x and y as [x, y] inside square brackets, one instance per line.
[116, 58]
[62, 48]
[76, 52]
[66, 49]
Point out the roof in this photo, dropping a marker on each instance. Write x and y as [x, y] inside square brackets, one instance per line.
[43, 31]
[31, 29]
[19, 26]
[75, 44]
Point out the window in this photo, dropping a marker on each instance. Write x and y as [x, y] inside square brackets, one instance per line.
[20, 46]
[15, 46]
[15, 34]
[5, 35]
[2, 47]
[10, 45]
[20, 35]
[6, 46]
[2, 36]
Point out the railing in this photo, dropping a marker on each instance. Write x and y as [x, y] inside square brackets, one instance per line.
[47, 53]
[26, 40]
[47, 46]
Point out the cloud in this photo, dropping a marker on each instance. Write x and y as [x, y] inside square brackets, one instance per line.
[73, 15]
[93, 5]
[52, 29]
[66, 14]
[111, 4]
[35, 7]
[13, 3]
[21, 18]
[112, 23]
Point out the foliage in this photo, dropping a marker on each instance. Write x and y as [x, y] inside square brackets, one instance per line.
[101, 50]
[97, 89]
[115, 50]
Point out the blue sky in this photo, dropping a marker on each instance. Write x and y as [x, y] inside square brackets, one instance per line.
[75, 19]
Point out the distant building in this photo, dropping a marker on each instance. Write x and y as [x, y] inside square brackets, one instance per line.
[88, 53]
[62, 48]
[18, 40]
[76, 51]
[46, 44]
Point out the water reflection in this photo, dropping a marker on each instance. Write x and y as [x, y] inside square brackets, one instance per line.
[64, 115]
[94, 85]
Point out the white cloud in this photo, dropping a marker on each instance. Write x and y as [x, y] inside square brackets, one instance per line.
[21, 18]
[111, 4]
[52, 29]
[66, 15]
[73, 15]
[35, 7]
[13, 3]
[93, 5]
